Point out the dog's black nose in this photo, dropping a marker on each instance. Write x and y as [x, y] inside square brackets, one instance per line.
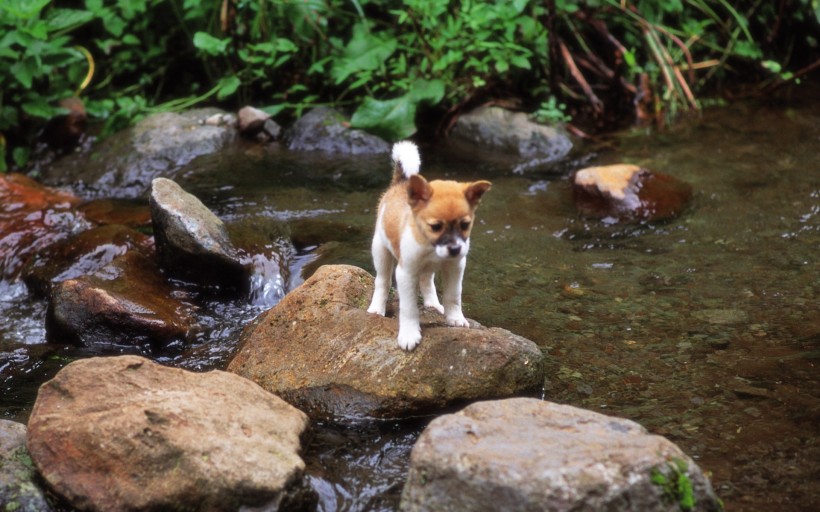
[454, 250]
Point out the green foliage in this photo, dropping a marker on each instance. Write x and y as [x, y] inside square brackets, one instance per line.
[384, 60]
[676, 484]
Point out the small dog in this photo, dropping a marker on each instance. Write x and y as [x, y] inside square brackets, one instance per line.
[424, 227]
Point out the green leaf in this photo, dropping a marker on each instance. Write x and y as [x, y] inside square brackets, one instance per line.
[210, 44]
[430, 91]
[24, 71]
[62, 19]
[25, 9]
[365, 52]
[38, 107]
[227, 86]
[391, 119]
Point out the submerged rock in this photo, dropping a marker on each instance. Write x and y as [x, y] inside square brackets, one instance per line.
[81, 254]
[32, 217]
[125, 433]
[126, 303]
[527, 454]
[325, 129]
[192, 243]
[124, 164]
[18, 489]
[321, 351]
[628, 192]
[134, 214]
[496, 129]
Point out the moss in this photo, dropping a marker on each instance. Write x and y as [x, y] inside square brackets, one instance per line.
[675, 482]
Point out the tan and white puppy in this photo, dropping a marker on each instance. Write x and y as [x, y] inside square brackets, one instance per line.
[423, 228]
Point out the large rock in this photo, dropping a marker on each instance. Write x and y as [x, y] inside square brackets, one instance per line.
[628, 192]
[125, 433]
[496, 129]
[325, 129]
[320, 350]
[81, 254]
[124, 164]
[18, 488]
[126, 303]
[192, 242]
[526, 454]
[32, 217]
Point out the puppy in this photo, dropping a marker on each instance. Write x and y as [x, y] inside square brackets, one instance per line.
[423, 228]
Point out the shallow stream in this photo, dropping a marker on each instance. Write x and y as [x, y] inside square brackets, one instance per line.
[704, 329]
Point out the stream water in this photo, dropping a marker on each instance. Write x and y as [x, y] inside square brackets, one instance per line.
[704, 329]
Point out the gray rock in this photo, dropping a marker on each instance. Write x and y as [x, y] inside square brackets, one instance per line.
[496, 129]
[325, 129]
[124, 164]
[125, 433]
[126, 303]
[527, 454]
[18, 488]
[192, 243]
[251, 121]
[321, 351]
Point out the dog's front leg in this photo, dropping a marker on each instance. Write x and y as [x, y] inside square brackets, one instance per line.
[428, 291]
[452, 275]
[407, 281]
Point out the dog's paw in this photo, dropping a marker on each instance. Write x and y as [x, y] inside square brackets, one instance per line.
[438, 307]
[457, 321]
[409, 340]
[376, 309]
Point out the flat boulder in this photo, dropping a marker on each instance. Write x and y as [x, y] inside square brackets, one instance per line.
[125, 433]
[624, 192]
[497, 129]
[80, 254]
[127, 303]
[527, 454]
[325, 129]
[19, 491]
[191, 242]
[321, 351]
[123, 165]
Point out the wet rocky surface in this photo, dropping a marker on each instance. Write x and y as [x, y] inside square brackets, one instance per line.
[19, 485]
[702, 328]
[125, 433]
[321, 351]
[327, 130]
[528, 454]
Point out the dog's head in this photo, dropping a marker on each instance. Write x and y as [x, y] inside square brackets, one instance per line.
[444, 212]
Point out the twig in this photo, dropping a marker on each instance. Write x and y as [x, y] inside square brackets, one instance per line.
[597, 104]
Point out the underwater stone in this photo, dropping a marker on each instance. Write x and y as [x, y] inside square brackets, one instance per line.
[629, 192]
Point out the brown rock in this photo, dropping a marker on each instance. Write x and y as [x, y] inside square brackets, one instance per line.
[629, 192]
[31, 218]
[320, 350]
[527, 454]
[126, 303]
[125, 433]
[80, 255]
[117, 211]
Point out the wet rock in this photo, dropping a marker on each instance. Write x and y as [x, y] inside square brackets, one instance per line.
[320, 350]
[126, 303]
[123, 165]
[32, 217]
[628, 192]
[79, 255]
[192, 243]
[325, 129]
[496, 129]
[18, 488]
[257, 124]
[125, 433]
[117, 211]
[526, 454]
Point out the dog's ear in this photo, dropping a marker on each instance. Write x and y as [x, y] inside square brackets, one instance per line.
[475, 190]
[418, 191]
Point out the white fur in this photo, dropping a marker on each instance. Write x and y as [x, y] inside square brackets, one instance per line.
[406, 154]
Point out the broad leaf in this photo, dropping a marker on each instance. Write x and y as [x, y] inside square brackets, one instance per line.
[366, 51]
[391, 119]
[210, 44]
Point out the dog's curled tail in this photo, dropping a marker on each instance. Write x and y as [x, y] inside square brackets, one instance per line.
[406, 160]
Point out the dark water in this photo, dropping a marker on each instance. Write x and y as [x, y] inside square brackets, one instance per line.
[705, 329]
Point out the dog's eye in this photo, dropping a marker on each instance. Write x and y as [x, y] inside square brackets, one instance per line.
[465, 225]
[437, 226]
